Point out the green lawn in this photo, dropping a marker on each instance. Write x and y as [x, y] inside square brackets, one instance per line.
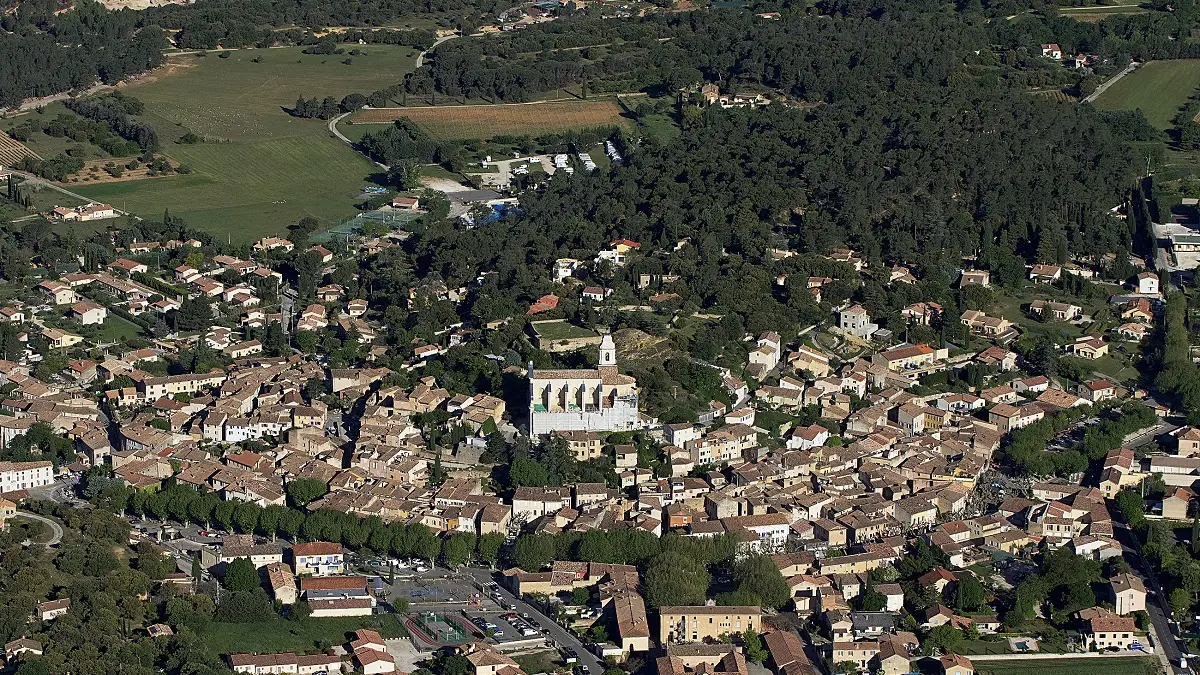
[259, 169]
[116, 329]
[970, 647]
[1125, 665]
[281, 635]
[1159, 88]
[561, 330]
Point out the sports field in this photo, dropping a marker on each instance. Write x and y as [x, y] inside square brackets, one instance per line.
[487, 121]
[1159, 88]
[1121, 665]
[259, 169]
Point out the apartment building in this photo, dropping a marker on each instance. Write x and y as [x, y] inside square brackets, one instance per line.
[703, 623]
[24, 475]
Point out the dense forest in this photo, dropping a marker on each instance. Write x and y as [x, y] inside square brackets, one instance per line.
[809, 55]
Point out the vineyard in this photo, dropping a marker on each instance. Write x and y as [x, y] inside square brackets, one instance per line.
[12, 151]
[486, 121]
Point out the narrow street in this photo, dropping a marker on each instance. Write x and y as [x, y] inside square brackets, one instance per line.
[1165, 643]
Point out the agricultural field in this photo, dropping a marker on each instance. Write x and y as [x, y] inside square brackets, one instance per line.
[1158, 88]
[1099, 12]
[12, 150]
[258, 169]
[514, 119]
[1128, 665]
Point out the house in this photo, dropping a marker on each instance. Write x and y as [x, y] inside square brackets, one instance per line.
[1138, 310]
[939, 578]
[975, 278]
[60, 292]
[88, 313]
[1089, 347]
[858, 653]
[318, 558]
[1008, 417]
[1133, 332]
[1108, 630]
[271, 243]
[1058, 311]
[1147, 283]
[1188, 442]
[49, 611]
[1128, 592]
[1045, 274]
[857, 322]
[90, 211]
[596, 293]
[1052, 51]
[20, 646]
[1098, 390]
[323, 254]
[988, 326]
[922, 313]
[1175, 503]
[128, 266]
[59, 339]
[618, 252]
[402, 203]
[955, 664]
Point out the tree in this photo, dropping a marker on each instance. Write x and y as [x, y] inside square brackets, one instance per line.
[304, 491]
[488, 548]
[755, 651]
[194, 314]
[527, 472]
[759, 575]
[580, 596]
[1181, 603]
[872, 600]
[532, 552]
[675, 579]
[969, 594]
[457, 548]
[241, 575]
[944, 638]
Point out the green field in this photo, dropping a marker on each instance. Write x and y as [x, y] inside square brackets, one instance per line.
[260, 169]
[282, 635]
[1125, 665]
[1099, 12]
[1159, 88]
[561, 330]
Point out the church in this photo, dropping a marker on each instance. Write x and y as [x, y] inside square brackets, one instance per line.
[600, 399]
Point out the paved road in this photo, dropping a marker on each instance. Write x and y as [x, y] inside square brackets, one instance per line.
[421, 57]
[55, 529]
[560, 635]
[1110, 82]
[1164, 639]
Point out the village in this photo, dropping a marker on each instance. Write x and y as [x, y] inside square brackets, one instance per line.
[888, 515]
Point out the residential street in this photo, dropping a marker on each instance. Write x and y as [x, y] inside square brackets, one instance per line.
[1164, 640]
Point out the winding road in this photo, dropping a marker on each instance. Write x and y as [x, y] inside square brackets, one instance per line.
[419, 62]
[55, 529]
